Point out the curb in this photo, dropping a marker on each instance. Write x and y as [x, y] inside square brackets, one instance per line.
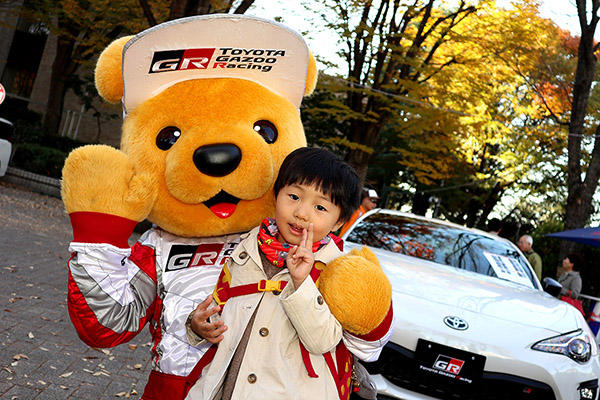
[49, 186]
[37, 183]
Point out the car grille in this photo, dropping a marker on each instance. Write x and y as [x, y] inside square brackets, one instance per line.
[398, 366]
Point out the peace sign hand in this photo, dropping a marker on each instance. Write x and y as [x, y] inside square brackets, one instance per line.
[300, 259]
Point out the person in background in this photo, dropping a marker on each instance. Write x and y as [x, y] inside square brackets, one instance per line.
[571, 279]
[494, 226]
[369, 198]
[525, 243]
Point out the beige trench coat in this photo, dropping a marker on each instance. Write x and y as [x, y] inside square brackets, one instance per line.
[272, 367]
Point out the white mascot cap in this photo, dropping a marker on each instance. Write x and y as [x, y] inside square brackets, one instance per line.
[214, 46]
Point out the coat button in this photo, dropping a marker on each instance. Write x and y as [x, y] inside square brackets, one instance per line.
[320, 300]
[243, 255]
[263, 332]
[252, 378]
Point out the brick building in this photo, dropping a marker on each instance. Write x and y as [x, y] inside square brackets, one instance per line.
[27, 51]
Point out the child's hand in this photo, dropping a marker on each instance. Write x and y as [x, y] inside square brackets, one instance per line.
[300, 259]
[211, 332]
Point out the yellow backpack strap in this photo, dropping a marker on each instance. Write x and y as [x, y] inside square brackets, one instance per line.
[222, 289]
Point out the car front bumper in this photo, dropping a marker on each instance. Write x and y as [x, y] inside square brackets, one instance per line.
[397, 377]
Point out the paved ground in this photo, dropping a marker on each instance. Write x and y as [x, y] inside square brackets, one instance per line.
[41, 356]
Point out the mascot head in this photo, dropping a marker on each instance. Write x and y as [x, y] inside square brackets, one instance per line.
[211, 107]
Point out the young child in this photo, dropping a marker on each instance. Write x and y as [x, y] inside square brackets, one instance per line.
[278, 325]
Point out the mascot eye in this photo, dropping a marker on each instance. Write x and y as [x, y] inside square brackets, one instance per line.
[267, 130]
[167, 137]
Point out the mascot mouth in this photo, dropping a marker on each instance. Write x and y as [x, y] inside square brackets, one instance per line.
[222, 205]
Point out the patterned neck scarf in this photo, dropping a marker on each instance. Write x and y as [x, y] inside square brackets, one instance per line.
[274, 250]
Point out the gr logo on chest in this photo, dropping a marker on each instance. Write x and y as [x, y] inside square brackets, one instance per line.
[189, 256]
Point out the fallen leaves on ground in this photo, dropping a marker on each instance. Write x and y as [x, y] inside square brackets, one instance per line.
[127, 395]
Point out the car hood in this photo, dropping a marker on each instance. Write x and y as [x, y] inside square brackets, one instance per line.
[466, 290]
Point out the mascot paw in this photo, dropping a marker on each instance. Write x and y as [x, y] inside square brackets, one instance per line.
[356, 290]
[102, 179]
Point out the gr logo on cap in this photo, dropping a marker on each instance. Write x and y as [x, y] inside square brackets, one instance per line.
[214, 46]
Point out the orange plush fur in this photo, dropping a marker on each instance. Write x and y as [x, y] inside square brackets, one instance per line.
[142, 181]
[206, 111]
[356, 290]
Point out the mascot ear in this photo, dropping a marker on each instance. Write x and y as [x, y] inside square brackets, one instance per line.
[311, 75]
[109, 74]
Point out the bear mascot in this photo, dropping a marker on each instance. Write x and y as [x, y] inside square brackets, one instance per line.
[211, 109]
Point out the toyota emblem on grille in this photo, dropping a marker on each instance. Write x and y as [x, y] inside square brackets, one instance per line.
[456, 323]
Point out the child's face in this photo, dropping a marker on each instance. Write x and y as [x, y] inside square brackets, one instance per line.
[298, 205]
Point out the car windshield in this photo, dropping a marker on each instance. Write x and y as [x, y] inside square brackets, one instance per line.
[442, 244]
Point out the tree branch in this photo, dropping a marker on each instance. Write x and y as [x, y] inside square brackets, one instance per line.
[148, 12]
[593, 171]
[243, 7]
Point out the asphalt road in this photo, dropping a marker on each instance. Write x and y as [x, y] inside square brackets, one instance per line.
[41, 356]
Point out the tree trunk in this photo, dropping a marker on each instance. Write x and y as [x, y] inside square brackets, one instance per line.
[367, 135]
[359, 160]
[183, 8]
[187, 8]
[243, 7]
[580, 192]
[57, 90]
[472, 209]
[489, 204]
[420, 203]
[148, 12]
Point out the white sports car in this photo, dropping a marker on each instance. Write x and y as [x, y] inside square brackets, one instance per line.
[471, 319]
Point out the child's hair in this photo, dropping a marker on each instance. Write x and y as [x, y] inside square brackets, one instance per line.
[322, 168]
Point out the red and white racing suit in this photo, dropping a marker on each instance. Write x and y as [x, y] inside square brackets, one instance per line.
[114, 290]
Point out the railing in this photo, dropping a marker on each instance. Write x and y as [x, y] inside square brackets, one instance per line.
[71, 122]
[588, 302]
[588, 297]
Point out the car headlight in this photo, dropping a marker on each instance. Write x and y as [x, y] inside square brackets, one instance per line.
[576, 345]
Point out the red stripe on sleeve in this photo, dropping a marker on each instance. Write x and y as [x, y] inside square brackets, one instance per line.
[382, 329]
[89, 329]
[144, 258]
[93, 227]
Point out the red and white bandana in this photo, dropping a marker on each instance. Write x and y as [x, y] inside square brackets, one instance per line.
[274, 250]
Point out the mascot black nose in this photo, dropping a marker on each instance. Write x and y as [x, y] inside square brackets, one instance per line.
[217, 159]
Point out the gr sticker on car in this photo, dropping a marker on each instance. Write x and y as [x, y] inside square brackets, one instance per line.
[448, 364]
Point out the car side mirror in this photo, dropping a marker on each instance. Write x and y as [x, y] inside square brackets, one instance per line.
[551, 286]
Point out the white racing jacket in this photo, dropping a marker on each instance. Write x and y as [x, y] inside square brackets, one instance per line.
[114, 291]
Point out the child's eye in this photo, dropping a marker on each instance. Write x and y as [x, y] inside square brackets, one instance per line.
[320, 208]
[293, 196]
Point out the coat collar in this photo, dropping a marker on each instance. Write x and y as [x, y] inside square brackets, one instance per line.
[249, 245]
